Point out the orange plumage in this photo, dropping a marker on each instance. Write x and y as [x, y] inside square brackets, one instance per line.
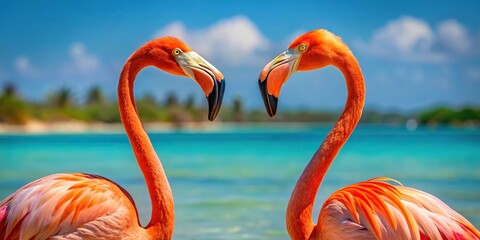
[374, 209]
[61, 204]
[85, 206]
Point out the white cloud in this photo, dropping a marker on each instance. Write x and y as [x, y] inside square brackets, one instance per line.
[176, 29]
[411, 39]
[22, 64]
[454, 36]
[236, 40]
[81, 62]
[406, 34]
[24, 67]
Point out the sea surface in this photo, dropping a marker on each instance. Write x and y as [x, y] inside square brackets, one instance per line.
[235, 182]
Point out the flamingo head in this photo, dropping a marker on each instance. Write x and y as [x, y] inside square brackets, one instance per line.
[172, 55]
[310, 51]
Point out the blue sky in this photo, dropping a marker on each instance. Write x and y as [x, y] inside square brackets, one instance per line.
[414, 54]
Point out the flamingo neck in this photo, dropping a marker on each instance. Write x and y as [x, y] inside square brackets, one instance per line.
[299, 210]
[162, 219]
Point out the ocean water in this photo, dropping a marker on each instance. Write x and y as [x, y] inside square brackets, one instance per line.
[235, 182]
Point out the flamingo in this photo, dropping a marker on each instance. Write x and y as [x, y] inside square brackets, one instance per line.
[87, 206]
[373, 209]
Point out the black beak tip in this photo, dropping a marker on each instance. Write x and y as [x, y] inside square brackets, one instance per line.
[211, 117]
[215, 99]
[272, 110]
[269, 101]
[211, 107]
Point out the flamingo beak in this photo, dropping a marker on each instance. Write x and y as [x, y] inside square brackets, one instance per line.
[209, 78]
[274, 75]
[215, 99]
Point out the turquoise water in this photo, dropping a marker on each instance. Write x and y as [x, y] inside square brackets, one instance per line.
[234, 183]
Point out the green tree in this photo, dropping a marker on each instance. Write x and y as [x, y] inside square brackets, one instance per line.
[95, 96]
[190, 102]
[148, 99]
[149, 110]
[171, 100]
[445, 115]
[62, 98]
[13, 109]
[9, 90]
[237, 110]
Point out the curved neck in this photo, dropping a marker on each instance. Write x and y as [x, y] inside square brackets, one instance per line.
[160, 193]
[299, 210]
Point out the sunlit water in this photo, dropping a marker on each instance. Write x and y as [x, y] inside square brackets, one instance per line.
[235, 183]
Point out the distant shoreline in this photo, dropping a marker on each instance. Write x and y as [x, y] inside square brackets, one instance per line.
[39, 127]
[79, 127]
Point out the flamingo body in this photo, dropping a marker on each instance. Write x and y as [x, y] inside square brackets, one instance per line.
[85, 206]
[69, 206]
[374, 209]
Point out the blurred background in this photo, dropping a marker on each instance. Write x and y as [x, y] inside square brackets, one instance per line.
[60, 62]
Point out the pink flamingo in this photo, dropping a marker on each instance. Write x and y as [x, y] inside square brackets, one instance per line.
[86, 206]
[373, 209]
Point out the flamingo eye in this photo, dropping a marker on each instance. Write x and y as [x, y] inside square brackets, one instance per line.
[176, 52]
[302, 47]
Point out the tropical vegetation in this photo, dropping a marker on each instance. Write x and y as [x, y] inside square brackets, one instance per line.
[61, 106]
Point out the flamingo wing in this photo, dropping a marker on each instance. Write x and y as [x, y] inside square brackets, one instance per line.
[376, 209]
[67, 206]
